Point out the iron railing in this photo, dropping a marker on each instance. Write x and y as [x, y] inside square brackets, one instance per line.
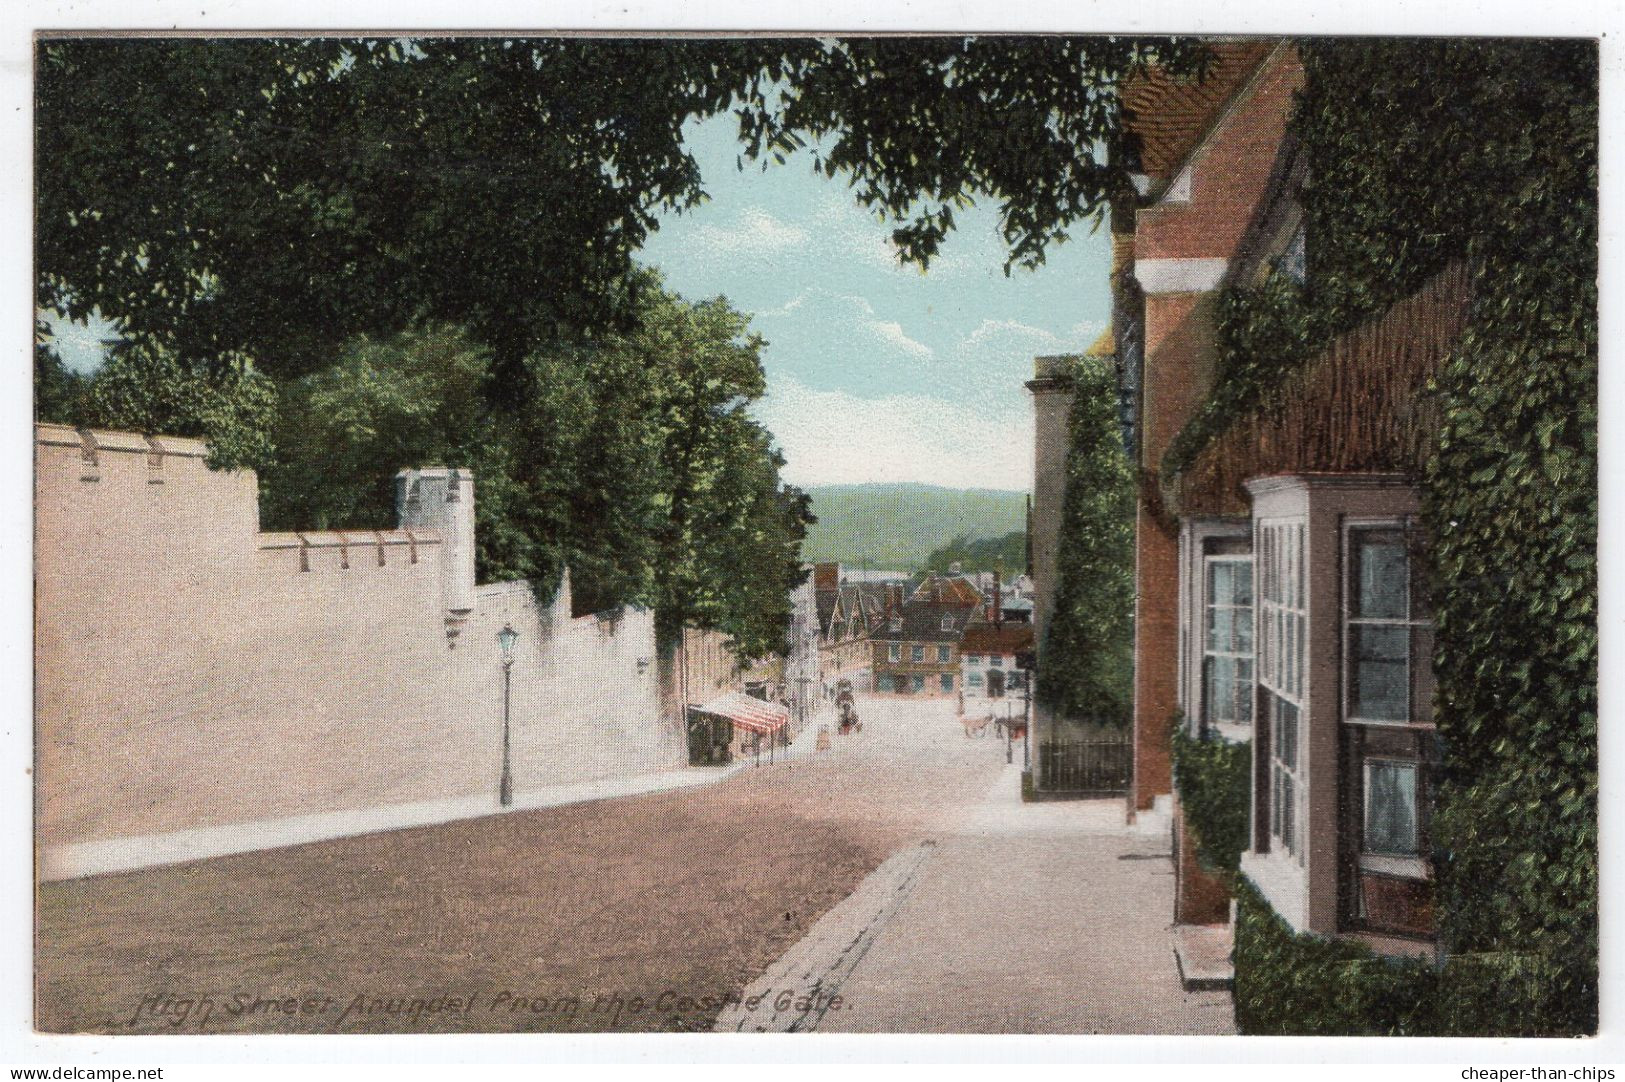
[1098, 766]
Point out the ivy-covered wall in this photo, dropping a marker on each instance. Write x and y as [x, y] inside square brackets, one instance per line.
[1088, 653]
[1420, 154]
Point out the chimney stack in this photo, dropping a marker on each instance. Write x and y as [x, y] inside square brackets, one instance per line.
[998, 594]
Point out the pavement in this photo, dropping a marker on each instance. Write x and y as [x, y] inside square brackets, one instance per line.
[898, 869]
[1052, 917]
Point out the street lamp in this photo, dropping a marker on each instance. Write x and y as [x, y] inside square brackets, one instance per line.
[506, 639]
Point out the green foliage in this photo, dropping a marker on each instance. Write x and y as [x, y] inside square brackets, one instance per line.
[255, 195]
[1420, 153]
[900, 526]
[411, 400]
[1214, 780]
[1087, 659]
[1262, 333]
[1305, 985]
[146, 387]
[59, 392]
[1008, 551]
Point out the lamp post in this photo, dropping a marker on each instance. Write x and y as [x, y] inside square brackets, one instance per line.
[1027, 661]
[506, 639]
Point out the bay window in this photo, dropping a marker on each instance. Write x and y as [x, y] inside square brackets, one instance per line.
[1284, 620]
[1343, 689]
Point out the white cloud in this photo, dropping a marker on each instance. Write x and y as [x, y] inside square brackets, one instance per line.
[756, 233]
[892, 334]
[859, 235]
[833, 437]
[995, 338]
[845, 316]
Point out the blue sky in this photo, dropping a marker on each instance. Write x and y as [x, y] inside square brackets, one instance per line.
[877, 372]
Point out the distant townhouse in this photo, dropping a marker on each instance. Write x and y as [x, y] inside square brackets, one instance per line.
[846, 611]
[916, 642]
[989, 673]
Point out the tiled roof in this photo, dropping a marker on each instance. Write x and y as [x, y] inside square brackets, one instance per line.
[1104, 346]
[954, 590]
[922, 621]
[986, 639]
[1172, 116]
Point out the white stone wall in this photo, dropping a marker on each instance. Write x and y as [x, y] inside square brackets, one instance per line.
[198, 679]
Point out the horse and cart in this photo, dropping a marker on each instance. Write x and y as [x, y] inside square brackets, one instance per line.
[846, 710]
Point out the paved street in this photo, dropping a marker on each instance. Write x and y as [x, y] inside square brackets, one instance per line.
[647, 912]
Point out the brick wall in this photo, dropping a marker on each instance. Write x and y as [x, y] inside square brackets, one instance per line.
[1229, 177]
[1228, 172]
[192, 672]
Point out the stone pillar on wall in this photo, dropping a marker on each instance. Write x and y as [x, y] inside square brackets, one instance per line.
[442, 500]
[1051, 388]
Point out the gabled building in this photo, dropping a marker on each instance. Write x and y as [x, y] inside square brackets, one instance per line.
[916, 642]
[846, 612]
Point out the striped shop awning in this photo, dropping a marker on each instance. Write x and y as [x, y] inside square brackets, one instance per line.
[748, 712]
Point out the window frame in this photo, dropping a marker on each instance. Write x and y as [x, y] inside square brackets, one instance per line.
[894, 652]
[1417, 834]
[1281, 624]
[1204, 653]
[1407, 527]
[916, 654]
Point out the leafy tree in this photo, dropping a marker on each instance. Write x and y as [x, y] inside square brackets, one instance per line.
[1086, 664]
[273, 196]
[982, 554]
[633, 462]
[268, 198]
[148, 387]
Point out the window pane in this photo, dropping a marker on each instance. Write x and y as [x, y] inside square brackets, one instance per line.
[1380, 672]
[1230, 689]
[1381, 577]
[947, 681]
[1286, 733]
[1298, 656]
[1218, 629]
[942, 653]
[1241, 583]
[1244, 691]
[1220, 690]
[1218, 582]
[1242, 631]
[1390, 809]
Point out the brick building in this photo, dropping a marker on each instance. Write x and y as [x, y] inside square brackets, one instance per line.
[916, 642]
[1279, 571]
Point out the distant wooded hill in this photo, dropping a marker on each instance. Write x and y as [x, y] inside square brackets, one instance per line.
[899, 526]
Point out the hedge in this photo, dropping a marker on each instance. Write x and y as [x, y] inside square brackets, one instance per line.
[1213, 777]
[1088, 654]
[1306, 985]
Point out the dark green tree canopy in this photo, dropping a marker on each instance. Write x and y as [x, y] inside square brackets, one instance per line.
[273, 196]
